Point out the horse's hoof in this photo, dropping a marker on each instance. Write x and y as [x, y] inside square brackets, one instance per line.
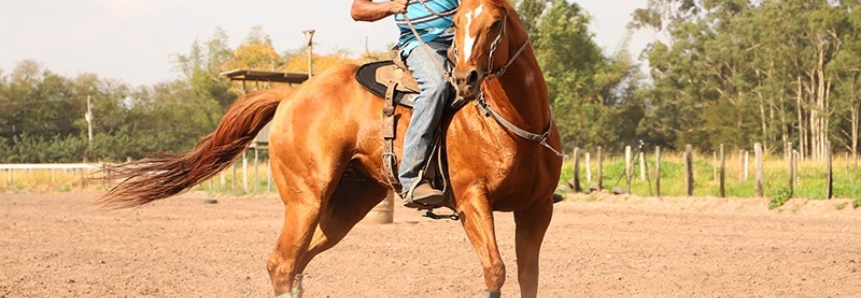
[557, 198]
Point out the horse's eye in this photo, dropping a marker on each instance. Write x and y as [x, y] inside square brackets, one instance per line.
[496, 25]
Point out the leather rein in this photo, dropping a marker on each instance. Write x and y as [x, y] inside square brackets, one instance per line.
[481, 102]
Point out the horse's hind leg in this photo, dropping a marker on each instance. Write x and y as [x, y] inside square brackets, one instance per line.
[301, 215]
[532, 224]
[310, 229]
[350, 203]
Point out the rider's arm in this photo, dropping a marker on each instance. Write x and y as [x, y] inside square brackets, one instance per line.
[365, 10]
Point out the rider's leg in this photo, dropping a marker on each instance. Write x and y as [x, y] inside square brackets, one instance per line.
[425, 119]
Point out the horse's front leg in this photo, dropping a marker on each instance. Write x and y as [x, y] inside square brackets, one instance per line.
[476, 215]
[532, 224]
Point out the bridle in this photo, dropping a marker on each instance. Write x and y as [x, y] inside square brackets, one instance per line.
[489, 74]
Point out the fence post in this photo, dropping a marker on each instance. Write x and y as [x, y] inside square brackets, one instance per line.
[658, 171]
[234, 181]
[576, 185]
[600, 169]
[796, 157]
[757, 152]
[223, 179]
[245, 170]
[256, 171]
[642, 166]
[269, 175]
[714, 166]
[689, 169]
[791, 160]
[829, 192]
[722, 172]
[628, 169]
[588, 168]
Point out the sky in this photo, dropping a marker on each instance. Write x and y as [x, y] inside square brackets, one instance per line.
[136, 41]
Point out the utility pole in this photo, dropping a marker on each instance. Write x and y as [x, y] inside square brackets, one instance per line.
[89, 118]
[309, 37]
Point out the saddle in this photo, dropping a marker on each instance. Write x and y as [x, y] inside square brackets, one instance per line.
[393, 82]
[386, 79]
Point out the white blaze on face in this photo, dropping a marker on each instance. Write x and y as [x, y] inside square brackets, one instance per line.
[469, 39]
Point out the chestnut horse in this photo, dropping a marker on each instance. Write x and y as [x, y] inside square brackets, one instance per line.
[326, 147]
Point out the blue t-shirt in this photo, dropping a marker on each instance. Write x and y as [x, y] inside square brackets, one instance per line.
[429, 26]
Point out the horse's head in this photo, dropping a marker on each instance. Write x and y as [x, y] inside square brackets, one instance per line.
[480, 45]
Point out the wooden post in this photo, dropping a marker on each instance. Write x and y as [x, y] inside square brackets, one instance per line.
[689, 169]
[234, 181]
[658, 171]
[245, 171]
[588, 168]
[269, 175]
[256, 171]
[715, 166]
[577, 187]
[642, 166]
[829, 191]
[796, 158]
[223, 179]
[600, 169]
[757, 152]
[791, 168]
[628, 169]
[722, 177]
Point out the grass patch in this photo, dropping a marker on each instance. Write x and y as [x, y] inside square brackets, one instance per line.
[779, 197]
[841, 206]
[810, 182]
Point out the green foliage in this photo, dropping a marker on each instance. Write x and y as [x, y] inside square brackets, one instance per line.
[589, 92]
[736, 72]
[841, 206]
[779, 197]
[42, 113]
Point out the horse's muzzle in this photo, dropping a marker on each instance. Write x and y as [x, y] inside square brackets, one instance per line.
[467, 82]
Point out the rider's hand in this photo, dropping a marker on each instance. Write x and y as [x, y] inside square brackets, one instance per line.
[399, 6]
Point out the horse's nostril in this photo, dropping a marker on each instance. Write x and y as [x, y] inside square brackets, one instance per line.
[473, 77]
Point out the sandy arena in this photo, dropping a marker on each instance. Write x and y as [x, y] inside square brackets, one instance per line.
[56, 245]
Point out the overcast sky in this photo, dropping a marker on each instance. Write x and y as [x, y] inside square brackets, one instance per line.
[136, 40]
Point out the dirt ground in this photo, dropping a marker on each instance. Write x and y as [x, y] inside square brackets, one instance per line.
[56, 245]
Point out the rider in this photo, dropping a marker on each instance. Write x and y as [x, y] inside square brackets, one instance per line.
[432, 19]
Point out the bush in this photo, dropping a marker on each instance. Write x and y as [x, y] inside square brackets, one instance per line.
[779, 197]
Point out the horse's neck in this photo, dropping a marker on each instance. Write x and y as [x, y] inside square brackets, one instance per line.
[525, 98]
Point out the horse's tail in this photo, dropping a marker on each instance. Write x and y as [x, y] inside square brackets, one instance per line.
[152, 179]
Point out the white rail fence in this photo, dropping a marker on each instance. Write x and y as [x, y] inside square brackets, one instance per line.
[13, 170]
[244, 174]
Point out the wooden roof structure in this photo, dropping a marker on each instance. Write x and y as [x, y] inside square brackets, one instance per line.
[265, 76]
[261, 141]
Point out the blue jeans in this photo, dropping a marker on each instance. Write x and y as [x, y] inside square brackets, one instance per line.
[428, 109]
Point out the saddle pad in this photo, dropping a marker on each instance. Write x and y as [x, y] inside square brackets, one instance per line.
[366, 76]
